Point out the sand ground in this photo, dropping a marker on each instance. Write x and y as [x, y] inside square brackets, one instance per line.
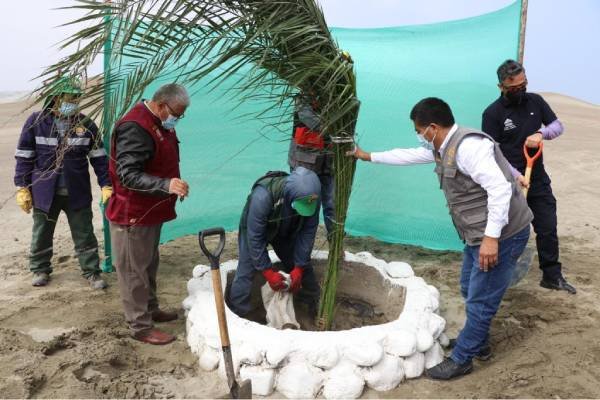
[67, 341]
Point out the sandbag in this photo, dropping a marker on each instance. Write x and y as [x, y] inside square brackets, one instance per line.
[279, 306]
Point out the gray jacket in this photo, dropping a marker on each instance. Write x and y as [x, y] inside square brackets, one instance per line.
[318, 160]
[264, 204]
[467, 200]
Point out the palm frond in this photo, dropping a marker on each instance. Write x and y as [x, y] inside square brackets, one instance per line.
[270, 49]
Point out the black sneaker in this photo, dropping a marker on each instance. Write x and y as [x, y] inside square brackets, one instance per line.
[448, 369]
[558, 284]
[485, 353]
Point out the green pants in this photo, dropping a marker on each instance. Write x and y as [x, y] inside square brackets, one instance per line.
[82, 232]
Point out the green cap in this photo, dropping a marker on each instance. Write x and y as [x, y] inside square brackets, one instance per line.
[64, 84]
[306, 205]
[68, 85]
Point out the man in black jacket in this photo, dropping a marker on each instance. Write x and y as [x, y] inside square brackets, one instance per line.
[520, 118]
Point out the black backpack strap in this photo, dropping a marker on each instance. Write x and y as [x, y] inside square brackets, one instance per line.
[268, 175]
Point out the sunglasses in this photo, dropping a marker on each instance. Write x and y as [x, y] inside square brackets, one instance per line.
[516, 88]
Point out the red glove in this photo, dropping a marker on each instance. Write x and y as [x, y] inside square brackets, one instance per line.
[275, 279]
[296, 276]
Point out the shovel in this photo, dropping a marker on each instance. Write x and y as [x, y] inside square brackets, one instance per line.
[524, 261]
[243, 390]
[530, 161]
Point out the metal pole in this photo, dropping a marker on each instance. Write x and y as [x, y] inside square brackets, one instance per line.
[106, 127]
[522, 29]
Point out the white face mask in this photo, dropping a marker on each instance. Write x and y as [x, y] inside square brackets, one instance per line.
[424, 142]
[67, 109]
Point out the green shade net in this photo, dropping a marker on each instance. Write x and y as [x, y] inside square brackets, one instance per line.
[223, 151]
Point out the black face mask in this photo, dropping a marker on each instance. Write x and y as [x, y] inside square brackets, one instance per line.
[516, 97]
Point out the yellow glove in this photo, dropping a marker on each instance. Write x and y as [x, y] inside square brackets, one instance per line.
[106, 193]
[24, 199]
[346, 56]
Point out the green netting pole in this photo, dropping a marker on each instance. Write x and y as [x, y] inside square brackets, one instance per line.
[522, 29]
[106, 128]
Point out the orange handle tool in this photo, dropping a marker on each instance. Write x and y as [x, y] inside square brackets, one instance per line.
[530, 161]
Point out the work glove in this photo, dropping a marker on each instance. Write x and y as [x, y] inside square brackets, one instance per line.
[24, 199]
[106, 193]
[296, 276]
[274, 279]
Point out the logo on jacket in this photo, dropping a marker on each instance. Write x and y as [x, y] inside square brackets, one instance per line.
[79, 130]
[509, 124]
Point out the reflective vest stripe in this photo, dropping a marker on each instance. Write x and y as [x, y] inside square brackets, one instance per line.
[25, 153]
[97, 153]
[78, 141]
[48, 141]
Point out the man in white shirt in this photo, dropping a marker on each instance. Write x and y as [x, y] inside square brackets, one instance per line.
[488, 210]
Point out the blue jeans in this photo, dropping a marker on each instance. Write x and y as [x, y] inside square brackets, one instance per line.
[327, 201]
[483, 292]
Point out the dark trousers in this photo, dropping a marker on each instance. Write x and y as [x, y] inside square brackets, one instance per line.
[135, 257]
[82, 232]
[542, 203]
[241, 287]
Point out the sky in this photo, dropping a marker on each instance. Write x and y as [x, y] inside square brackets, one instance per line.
[562, 46]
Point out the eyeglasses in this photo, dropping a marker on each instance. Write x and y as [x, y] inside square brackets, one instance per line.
[516, 88]
[173, 113]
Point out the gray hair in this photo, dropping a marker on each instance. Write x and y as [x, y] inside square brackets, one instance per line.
[172, 93]
[509, 68]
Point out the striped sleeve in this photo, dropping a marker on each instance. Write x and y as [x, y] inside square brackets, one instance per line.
[25, 153]
[98, 157]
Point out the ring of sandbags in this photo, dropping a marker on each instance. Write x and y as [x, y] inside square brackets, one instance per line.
[333, 364]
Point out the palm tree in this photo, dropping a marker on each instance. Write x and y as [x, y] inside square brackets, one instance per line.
[281, 46]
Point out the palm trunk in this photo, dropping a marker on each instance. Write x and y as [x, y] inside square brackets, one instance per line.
[344, 167]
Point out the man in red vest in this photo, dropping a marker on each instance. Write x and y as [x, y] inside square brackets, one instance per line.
[144, 170]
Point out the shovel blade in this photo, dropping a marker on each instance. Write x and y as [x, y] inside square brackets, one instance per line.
[243, 390]
[522, 267]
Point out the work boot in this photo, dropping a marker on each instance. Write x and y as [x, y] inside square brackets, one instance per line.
[448, 369]
[154, 336]
[96, 282]
[40, 279]
[484, 354]
[558, 284]
[163, 316]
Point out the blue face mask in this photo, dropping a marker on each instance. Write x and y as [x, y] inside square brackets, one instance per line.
[67, 109]
[424, 143]
[170, 122]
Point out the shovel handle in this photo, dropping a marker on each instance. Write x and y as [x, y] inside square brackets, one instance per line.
[532, 158]
[220, 303]
[527, 177]
[530, 161]
[213, 257]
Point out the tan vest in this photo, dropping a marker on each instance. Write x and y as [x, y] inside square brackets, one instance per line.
[467, 200]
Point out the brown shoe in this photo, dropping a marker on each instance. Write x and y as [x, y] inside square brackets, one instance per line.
[154, 336]
[163, 316]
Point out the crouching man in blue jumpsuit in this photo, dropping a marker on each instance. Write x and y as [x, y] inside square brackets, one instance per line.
[282, 210]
